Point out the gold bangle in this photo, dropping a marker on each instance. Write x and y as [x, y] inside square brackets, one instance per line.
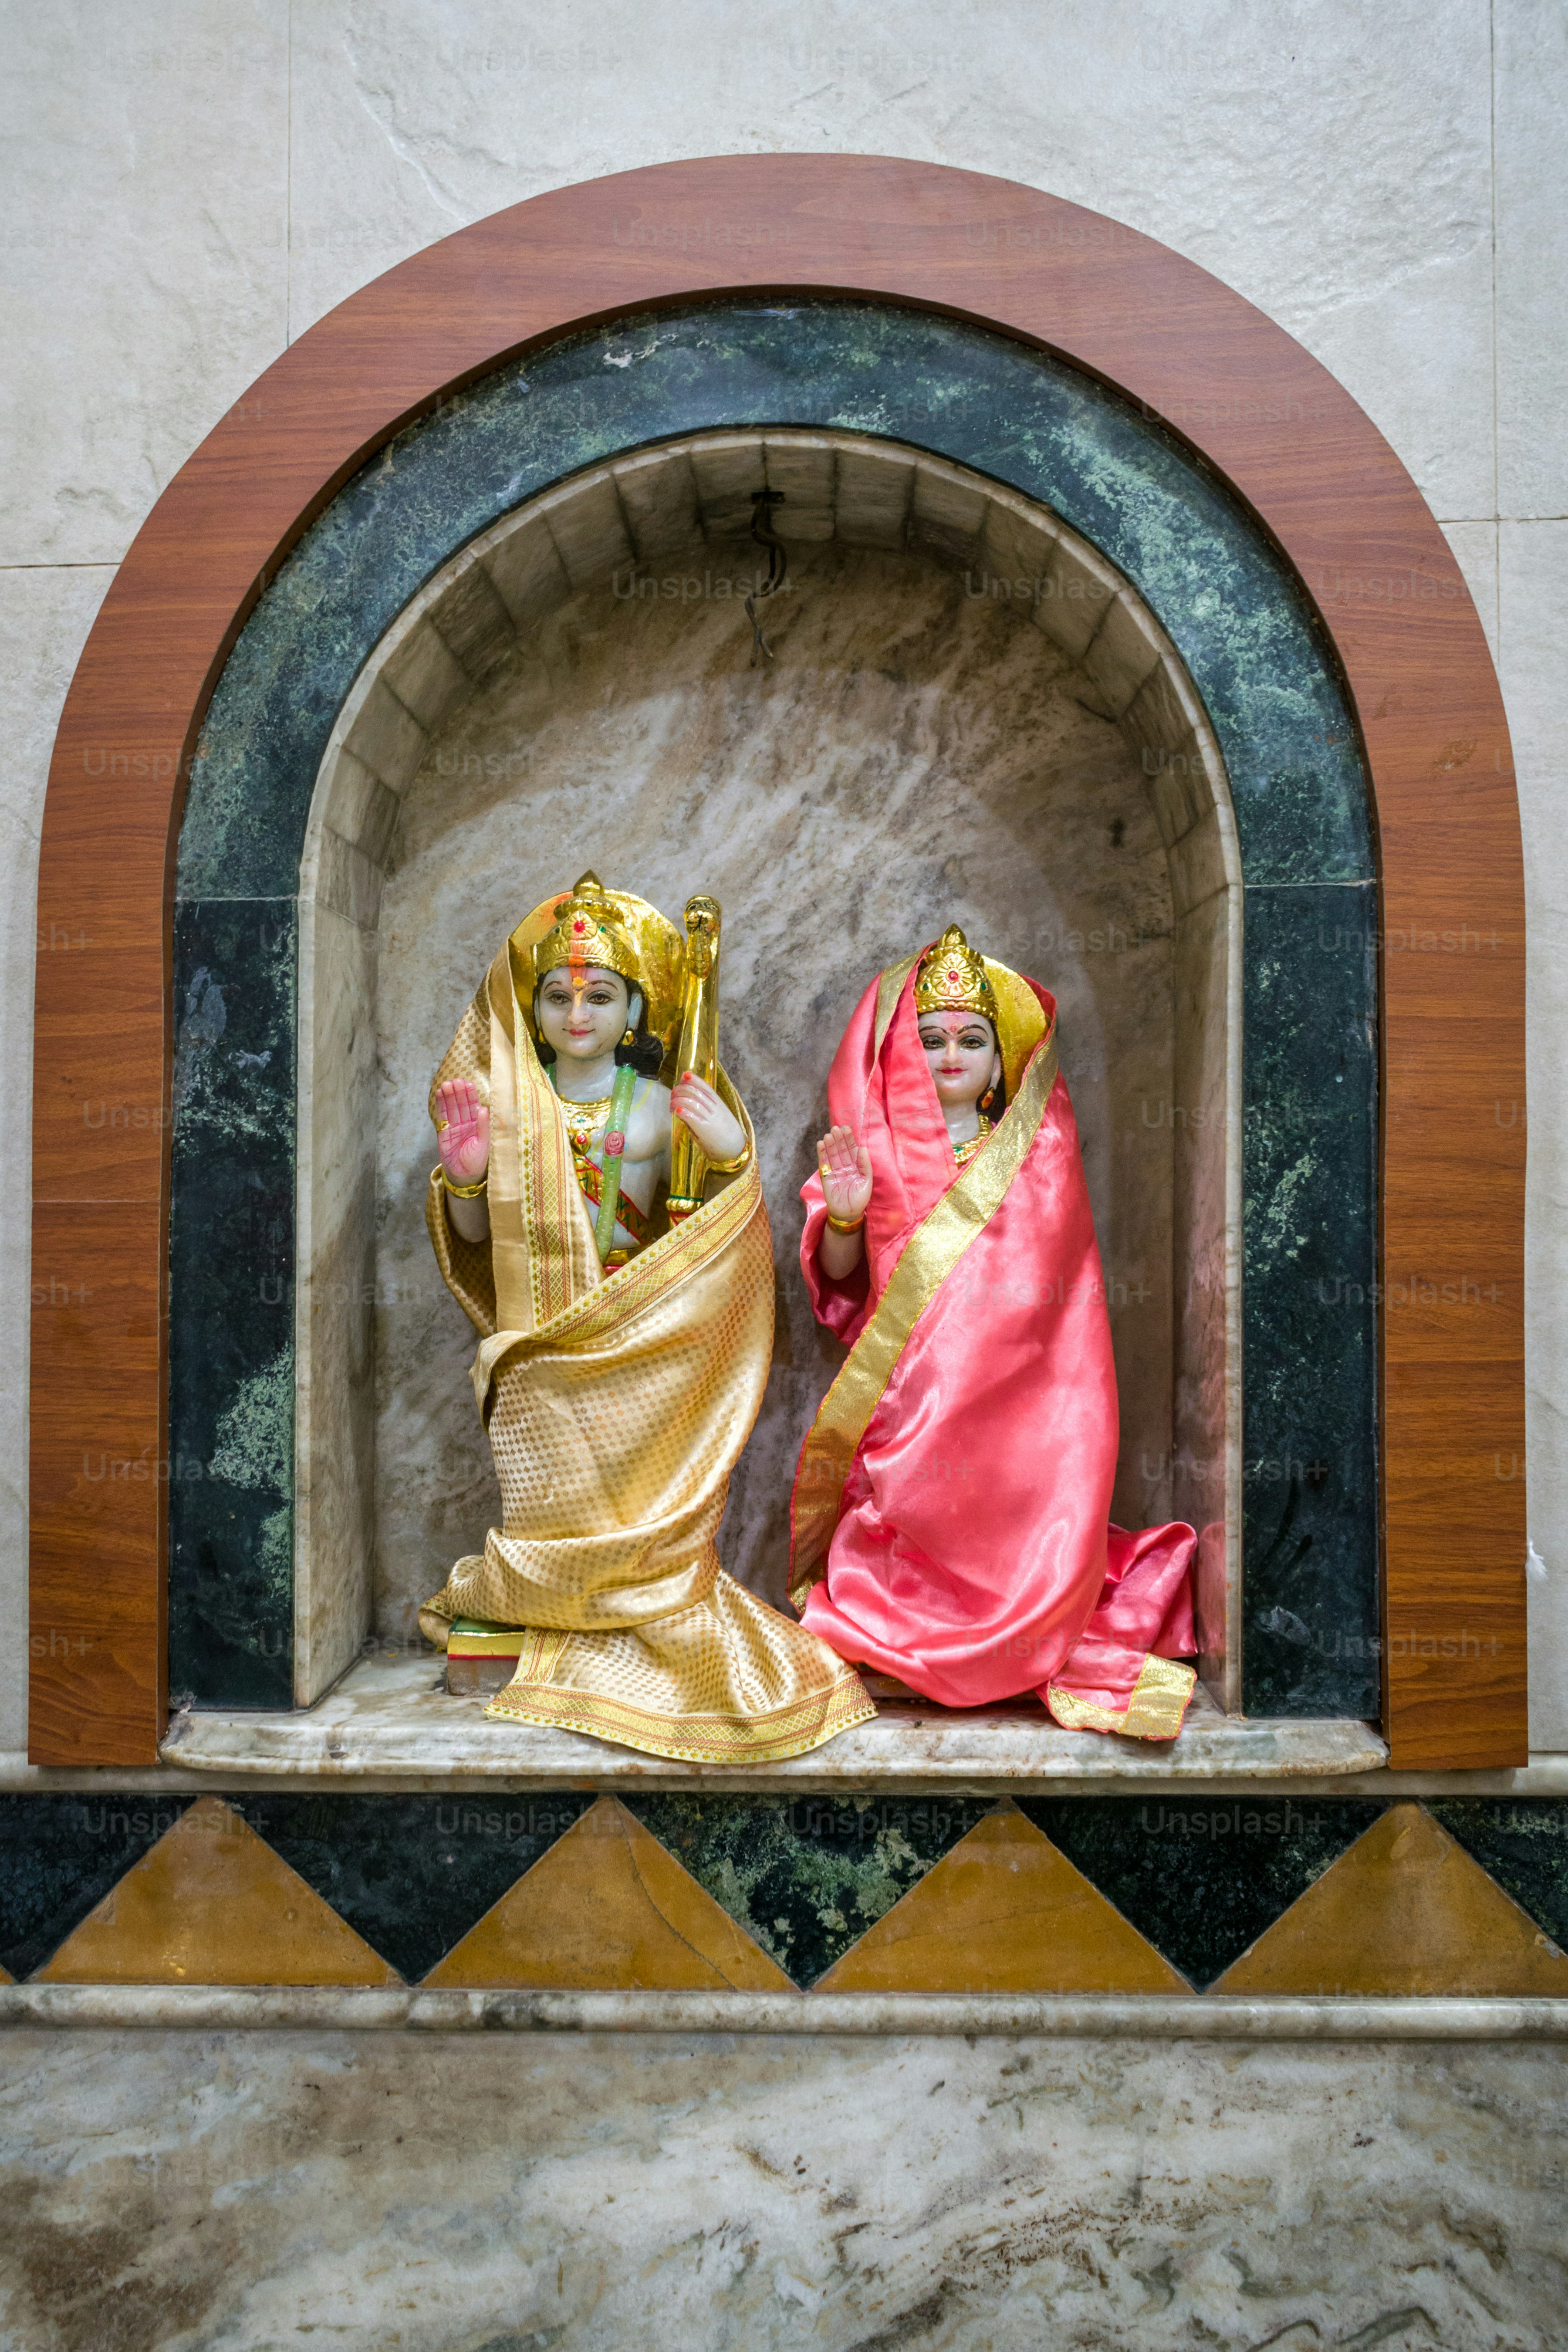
[839, 1227]
[730, 1167]
[465, 1191]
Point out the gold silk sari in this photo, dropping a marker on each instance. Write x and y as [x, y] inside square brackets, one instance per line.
[617, 1407]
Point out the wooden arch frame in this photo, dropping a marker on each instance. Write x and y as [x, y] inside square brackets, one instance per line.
[1291, 444]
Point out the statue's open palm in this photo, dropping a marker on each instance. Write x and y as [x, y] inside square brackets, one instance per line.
[465, 1138]
[844, 1168]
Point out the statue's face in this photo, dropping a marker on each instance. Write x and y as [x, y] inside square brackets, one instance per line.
[583, 1017]
[961, 1054]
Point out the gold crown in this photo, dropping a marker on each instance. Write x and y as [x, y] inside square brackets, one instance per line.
[587, 932]
[952, 979]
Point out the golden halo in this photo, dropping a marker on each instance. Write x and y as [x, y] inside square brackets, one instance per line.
[1020, 1020]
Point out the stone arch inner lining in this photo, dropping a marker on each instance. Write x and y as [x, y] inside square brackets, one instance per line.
[622, 522]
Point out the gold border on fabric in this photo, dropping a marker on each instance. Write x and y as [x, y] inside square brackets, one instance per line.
[805, 1723]
[890, 987]
[645, 1282]
[504, 1643]
[1154, 1711]
[929, 1257]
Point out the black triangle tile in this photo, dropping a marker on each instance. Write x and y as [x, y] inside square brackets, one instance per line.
[1202, 1877]
[411, 1874]
[59, 1856]
[1522, 1843]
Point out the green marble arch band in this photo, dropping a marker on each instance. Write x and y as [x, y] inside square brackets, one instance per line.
[1262, 666]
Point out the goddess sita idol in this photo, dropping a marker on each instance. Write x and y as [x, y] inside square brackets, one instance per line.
[950, 1521]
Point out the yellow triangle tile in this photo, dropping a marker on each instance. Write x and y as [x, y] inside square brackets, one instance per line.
[1404, 1910]
[212, 1903]
[607, 1909]
[1005, 1911]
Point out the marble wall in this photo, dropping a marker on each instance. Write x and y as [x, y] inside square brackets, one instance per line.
[361, 652]
[197, 182]
[916, 753]
[181, 2190]
[193, 182]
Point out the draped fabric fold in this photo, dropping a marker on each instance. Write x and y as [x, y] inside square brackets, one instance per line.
[950, 1521]
[617, 1407]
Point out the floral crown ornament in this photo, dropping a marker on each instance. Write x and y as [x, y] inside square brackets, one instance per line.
[952, 979]
[587, 932]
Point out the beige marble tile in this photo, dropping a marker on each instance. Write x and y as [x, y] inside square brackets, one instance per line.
[803, 466]
[1165, 713]
[874, 494]
[387, 737]
[1015, 550]
[658, 498]
[144, 274]
[1207, 1407]
[1533, 585]
[589, 528]
[1076, 592]
[361, 810]
[1530, 95]
[426, 676]
[334, 1431]
[729, 467]
[1124, 651]
[948, 513]
[473, 618]
[523, 560]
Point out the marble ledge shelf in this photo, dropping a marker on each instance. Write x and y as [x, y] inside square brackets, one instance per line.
[1153, 2017]
[392, 1718]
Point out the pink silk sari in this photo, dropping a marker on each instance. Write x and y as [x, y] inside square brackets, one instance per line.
[949, 1522]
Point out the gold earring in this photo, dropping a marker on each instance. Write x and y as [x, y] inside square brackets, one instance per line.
[630, 1038]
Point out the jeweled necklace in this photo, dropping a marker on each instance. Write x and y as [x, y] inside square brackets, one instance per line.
[618, 1103]
[965, 1152]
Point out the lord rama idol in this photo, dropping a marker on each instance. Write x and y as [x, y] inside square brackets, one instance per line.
[950, 1525]
[606, 1236]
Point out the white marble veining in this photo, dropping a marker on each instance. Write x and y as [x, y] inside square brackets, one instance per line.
[614, 2191]
[915, 755]
[914, 731]
[1138, 2017]
[393, 1716]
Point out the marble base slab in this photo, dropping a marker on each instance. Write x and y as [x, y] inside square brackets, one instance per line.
[392, 1715]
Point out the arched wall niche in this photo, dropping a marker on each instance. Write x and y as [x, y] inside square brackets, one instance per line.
[1198, 644]
[972, 714]
[1023, 337]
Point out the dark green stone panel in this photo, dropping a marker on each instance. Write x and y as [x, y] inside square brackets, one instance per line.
[1258, 655]
[1202, 1877]
[1261, 664]
[1310, 1343]
[412, 1875]
[231, 1336]
[1522, 1842]
[805, 1877]
[59, 1856]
